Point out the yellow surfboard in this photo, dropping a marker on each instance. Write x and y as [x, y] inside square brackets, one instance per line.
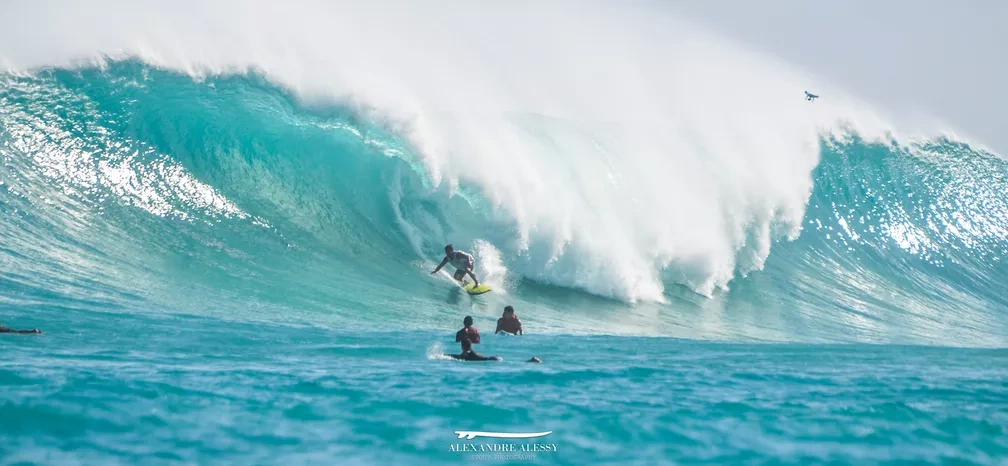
[483, 288]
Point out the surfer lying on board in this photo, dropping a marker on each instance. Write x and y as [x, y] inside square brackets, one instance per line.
[463, 263]
[469, 355]
[10, 330]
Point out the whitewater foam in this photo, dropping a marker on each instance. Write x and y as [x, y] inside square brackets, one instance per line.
[615, 146]
[490, 266]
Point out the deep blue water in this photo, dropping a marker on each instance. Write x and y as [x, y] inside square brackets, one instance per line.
[128, 389]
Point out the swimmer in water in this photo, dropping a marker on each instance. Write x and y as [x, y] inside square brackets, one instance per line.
[10, 330]
[468, 331]
[509, 323]
[469, 355]
[463, 263]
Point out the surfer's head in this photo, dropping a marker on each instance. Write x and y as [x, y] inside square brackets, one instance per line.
[508, 311]
[449, 249]
[466, 345]
[467, 321]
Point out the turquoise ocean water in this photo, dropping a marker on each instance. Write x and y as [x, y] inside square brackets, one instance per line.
[226, 273]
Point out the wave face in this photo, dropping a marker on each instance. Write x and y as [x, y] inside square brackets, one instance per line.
[692, 196]
[131, 185]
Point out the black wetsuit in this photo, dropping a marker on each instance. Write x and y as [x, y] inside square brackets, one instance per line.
[10, 330]
[473, 356]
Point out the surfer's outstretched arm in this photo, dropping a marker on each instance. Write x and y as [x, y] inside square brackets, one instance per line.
[442, 264]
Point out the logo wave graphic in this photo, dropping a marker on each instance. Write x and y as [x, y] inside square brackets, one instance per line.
[469, 435]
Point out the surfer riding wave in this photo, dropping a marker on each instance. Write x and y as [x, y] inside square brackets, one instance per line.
[463, 263]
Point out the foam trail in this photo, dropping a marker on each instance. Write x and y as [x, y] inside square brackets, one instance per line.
[617, 147]
[490, 266]
[436, 350]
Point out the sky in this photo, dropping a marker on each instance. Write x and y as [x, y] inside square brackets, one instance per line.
[944, 59]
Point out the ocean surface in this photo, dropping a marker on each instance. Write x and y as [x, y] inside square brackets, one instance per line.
[230, 256]
[140, 389]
